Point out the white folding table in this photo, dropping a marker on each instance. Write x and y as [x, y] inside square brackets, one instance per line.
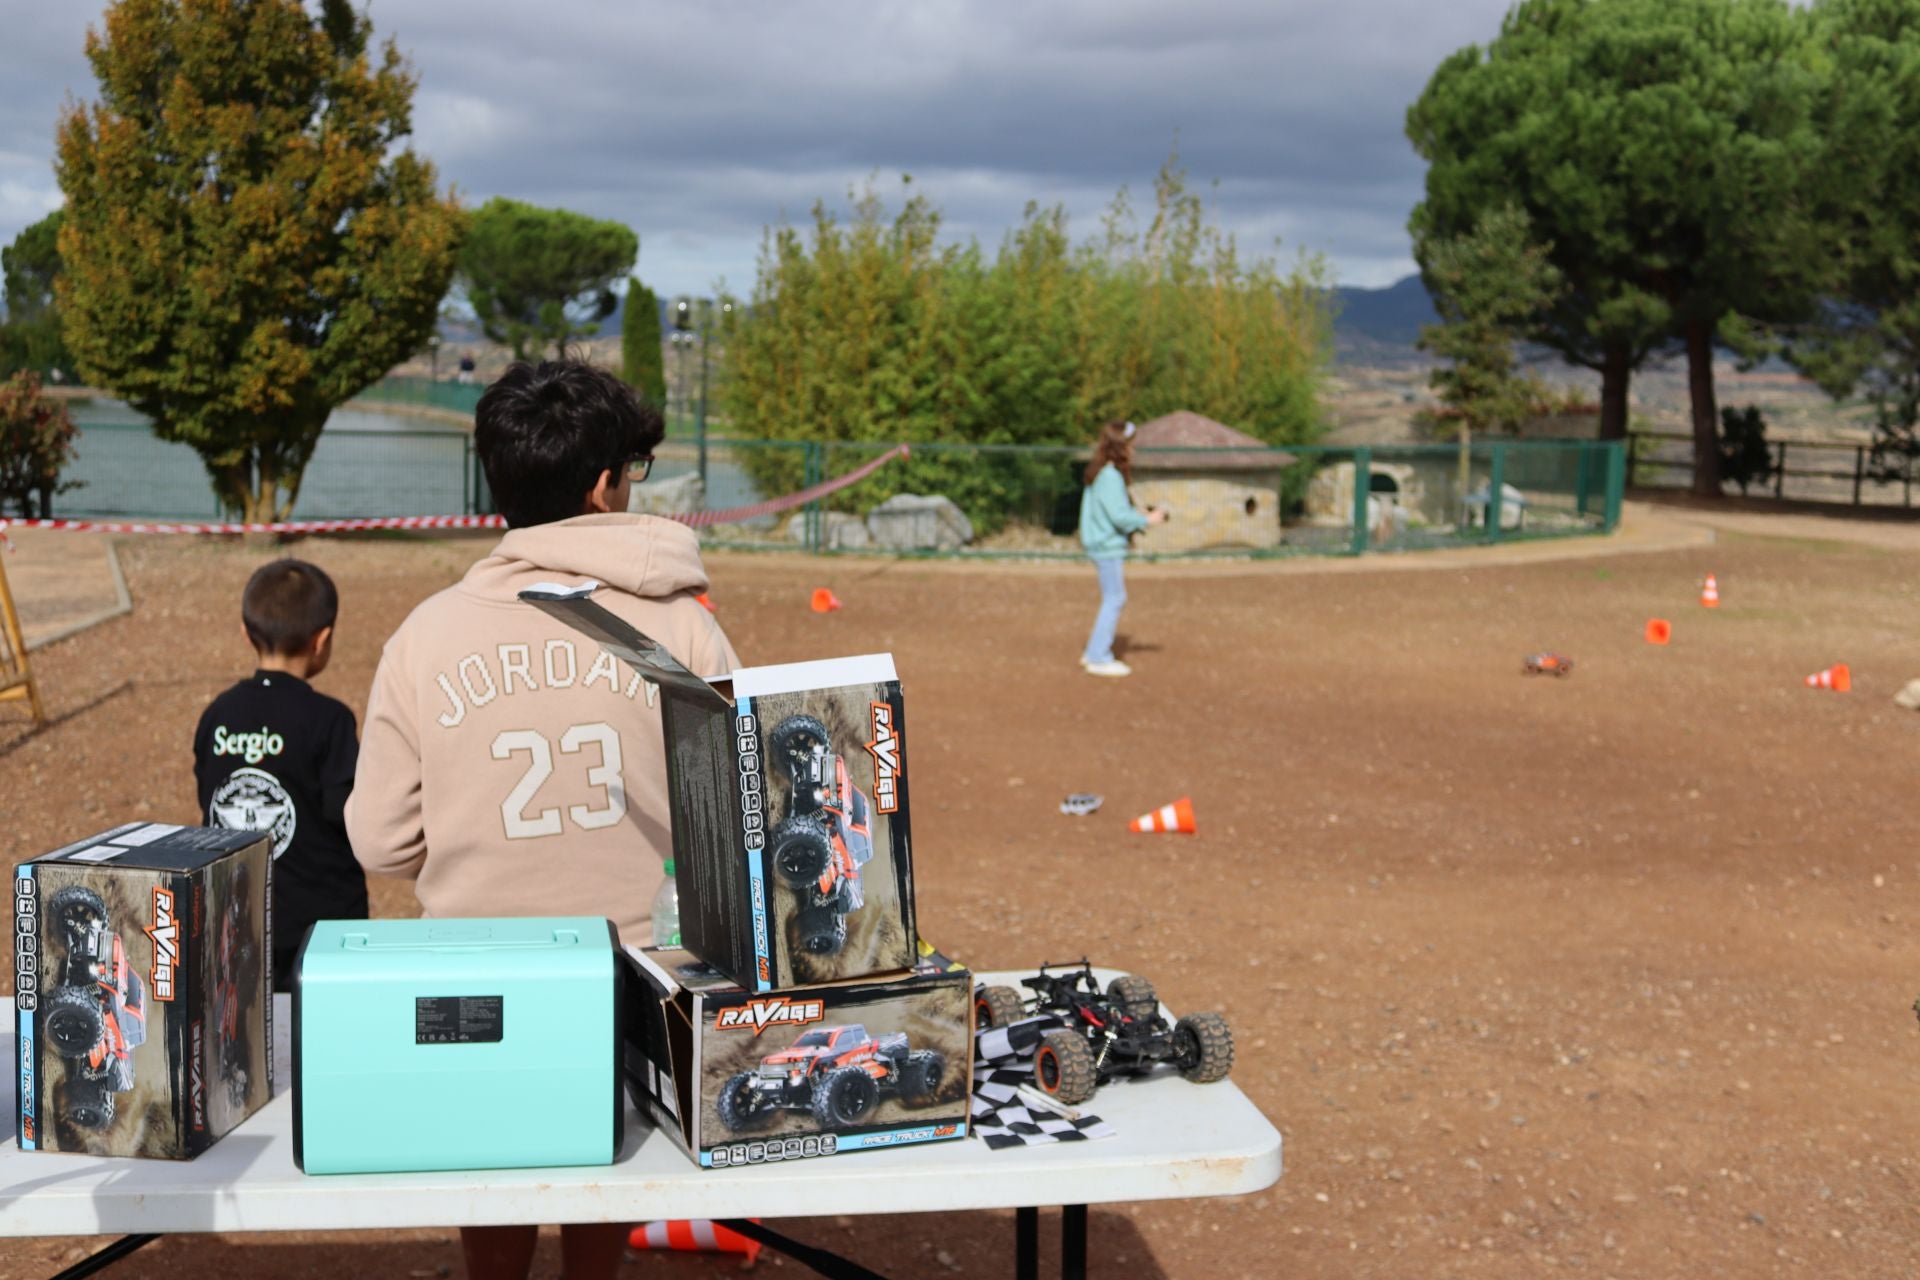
[1174, 1140]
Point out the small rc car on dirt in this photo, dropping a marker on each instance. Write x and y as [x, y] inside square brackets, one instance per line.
[97, 1015]
[839, 1074]
[1118, 1032]
[1547, 664]
[826, 837]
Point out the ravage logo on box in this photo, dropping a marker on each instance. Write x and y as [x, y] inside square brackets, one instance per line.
[164, 933]
[885, 750]
[197, 1094]
[778, 1011]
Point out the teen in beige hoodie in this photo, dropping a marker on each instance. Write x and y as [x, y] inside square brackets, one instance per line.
[510, 765]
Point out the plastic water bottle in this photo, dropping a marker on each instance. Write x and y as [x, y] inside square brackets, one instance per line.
[666, 911]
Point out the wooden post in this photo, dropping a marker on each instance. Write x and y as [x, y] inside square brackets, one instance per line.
[1859, 469]
[16, 675]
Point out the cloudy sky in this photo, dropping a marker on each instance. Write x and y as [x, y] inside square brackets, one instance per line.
[700, 123]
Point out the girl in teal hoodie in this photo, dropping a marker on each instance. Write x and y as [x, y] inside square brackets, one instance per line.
[1107, 519]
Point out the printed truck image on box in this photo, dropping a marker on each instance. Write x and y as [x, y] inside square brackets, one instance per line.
[837, 1075]
[788, 788]
[747, 1077]
[141, 991]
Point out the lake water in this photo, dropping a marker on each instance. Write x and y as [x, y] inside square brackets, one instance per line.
[367, 464]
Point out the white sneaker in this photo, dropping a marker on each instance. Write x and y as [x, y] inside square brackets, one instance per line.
[1111, 667]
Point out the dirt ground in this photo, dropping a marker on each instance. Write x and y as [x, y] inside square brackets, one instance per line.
[1610, 974]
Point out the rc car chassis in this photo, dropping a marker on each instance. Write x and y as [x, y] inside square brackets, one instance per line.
[837, 1074]
[1107, 1035]
[1547, 664]
[97, 1015]
[826, 836]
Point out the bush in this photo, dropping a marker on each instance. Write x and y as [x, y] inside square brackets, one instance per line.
[872, 331]
[36, 442]
[1745, 458]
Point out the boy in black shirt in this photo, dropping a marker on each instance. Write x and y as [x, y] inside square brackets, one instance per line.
[272, 755]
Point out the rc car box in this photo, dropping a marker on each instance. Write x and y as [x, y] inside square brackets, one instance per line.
[742, 1077]
[457, 1044]
[788, 791]
[142, 990]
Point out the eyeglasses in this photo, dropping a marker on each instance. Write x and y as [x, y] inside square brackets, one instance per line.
[638, 469]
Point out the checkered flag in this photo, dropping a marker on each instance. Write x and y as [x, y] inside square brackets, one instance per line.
[1005, 1111]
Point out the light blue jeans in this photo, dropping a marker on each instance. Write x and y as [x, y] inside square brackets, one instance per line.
[1113, 598]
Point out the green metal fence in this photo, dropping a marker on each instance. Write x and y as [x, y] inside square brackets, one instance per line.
[1019, 500]
[124, 472]
[1024, 501]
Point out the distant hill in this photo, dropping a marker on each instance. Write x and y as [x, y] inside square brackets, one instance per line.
[1381, 325]
[455, 330]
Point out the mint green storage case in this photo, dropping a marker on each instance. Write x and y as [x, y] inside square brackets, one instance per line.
[456, 1044]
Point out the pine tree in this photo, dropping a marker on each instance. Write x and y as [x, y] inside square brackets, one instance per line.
[643, 364]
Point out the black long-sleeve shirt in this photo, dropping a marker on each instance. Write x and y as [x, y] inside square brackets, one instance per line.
[273, 755]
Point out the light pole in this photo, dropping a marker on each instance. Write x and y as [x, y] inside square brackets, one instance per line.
[682, 336]
[706, 336]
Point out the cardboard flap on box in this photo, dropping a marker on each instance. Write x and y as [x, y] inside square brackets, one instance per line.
[787, 794]
[623, 640]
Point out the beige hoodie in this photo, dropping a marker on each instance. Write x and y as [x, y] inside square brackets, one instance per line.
[508, 763]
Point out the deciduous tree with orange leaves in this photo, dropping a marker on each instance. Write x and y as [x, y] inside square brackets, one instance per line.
[246, 241]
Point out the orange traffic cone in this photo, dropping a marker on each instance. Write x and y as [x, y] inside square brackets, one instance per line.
[1710, 594]
[705, 602]
[1837, 677]
[700, 1235]
[1167, 819]
[824, 601]
[1659, 631]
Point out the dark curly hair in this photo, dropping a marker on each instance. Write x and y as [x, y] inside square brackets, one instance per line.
[546, 431]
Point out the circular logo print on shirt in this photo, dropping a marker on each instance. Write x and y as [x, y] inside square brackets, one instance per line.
[254, 800]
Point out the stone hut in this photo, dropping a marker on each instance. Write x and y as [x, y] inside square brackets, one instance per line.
[1220, 486]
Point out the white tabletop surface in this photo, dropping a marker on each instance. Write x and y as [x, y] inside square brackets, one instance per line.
[1174, 1140]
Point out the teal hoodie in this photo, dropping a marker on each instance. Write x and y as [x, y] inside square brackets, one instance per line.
[1107, 516]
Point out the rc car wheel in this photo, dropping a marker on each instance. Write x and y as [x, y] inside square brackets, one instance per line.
[997, 1006]
[72, 1020]
[847, 1096]
[77, 908]
[739, 1108]
[88, 1106]
[1135, 996]
[823, 931]
[801, 849]
[921, 1077]
[798, 736]
[1063, 1067]
[1203, 1047]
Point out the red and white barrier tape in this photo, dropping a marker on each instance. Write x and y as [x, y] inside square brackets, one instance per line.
[697, 519]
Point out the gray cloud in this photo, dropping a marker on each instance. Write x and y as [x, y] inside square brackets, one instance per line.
[699, 124]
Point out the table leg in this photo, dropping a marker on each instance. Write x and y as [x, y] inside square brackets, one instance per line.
[106, 1257]
[1073, 1242]
[1026, 1244]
